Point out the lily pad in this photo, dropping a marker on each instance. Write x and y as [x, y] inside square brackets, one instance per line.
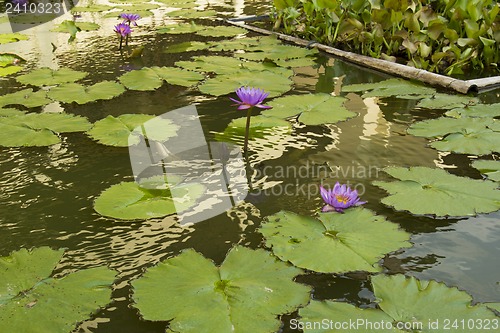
[143, 79]
[311, 109]
[439, 193]
[479, 110]
[355, 240]
[35, 129]
[272, 83]
[192, 14]
[235, 44]
[259, 122]
[276, 52]
[73, 92]
[49, 77]
[489, 168]
[138, 7]
[8, 70]
[403, 301]
[117, 14]
[221, 31]
[85, 26]
[116, 132]
[91, 8]
[25, 97]
[130, 201]
[9, 112]
[446, 102]
[293, 63]
[10, 59]
[12, 38]
[228, 298]
[187, 47]
[178, 76]
[181, 28]
[461, 135]
[391, 87]
[32, 301]
[31, 18]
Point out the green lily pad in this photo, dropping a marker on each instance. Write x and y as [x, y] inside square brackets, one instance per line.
[439, 193]
[312, 109]
[228, 298]
[116, 132]
[116, 14]
[355, 240]
[91, 8]
[259, 122]
[392, 87]
[479, 110]
[276, 52]
[178, 76]
[187, 47]
[235, 44]
[49, 77]
[9, 112]
[181, 28]
[12, 38]
[138, 7]
[446, 102]
[31, 18]
[494, 306]
[143, 79]
[10, 59]
[85, 26]
[489, 168]
[130, 201]
[32, 301]
[403, 301]
[25, 97]
[4, 71]
[73, 92]
[272, 83]
[192, 14]
[293, 63]
[461, 135]
[35, 129]
[221, 31]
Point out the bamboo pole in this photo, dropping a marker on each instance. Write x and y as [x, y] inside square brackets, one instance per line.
[461, 86]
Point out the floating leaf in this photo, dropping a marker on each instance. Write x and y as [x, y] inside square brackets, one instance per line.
[460, 135]
[445, 101]
[10, 59]
[12, 38]
[403, 302]
[50, 77]
[35, 129]
[117, 14]
[249, 284]
[479, 110]
[272, 83]
[181, 28]
[178, 76]
[91, 8]
[354, 240]
[193, 14]
[221, 31]
[235, 44]
[25, 97]
[9, 112]
[276, 52]
[31, 301]
[130, 201]
[391, 87]
[31, 18]
[293, 63]
[439, 193]
[138, 7]
[116, 132]
[85, 26]
[4, 71]
[312, 109]
[187, 47]
[73, 92]
[143, 79]
[487, 167]
[259, 122]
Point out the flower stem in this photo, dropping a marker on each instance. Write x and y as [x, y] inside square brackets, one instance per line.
[121, 41]
[247, 129]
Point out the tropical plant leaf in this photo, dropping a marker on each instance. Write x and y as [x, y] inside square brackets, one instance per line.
[12, 38]
[391, 87]
[178, 76]
[439, 193]
[25, 97]
[446, 102]
[355, 240]
[36, 129]
[130, 201]
[187, 47]
[479, 110]
[221, 31]
[272, 83]
[73, 92]
[489, 168]
[117, 131]
[226, 298]
[31, 301]
[49, 77]
[143, 79]
[403, 301]
[311, 109]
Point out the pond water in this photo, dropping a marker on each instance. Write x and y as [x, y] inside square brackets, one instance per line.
[47, 193]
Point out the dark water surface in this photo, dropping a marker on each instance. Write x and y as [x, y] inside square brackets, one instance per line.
[47, 193]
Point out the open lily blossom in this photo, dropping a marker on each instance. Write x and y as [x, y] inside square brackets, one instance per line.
[130, 18]
[250, 97]
[339, 198]
[20, 2]
[123, 29]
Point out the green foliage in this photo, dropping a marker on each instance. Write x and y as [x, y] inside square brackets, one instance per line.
[444, 36]
[50, 77]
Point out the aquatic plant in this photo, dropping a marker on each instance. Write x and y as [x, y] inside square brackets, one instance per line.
[130, 18]
[250, 97]
[339, 198]
[123, 30]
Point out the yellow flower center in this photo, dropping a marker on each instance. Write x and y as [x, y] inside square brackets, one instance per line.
[342, 199]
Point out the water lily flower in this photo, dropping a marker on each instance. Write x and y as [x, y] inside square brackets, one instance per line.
[340, 198]
[123, 29]
[130, 18]
[250, 97]
[20, 2]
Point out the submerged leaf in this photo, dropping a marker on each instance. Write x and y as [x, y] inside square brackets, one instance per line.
[439, 193]
[50, 77]
[249, 284]
[354, 240]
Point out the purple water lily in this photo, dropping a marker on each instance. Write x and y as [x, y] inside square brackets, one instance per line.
[340, 198]
[20, 2]
[123, 29]
[250, 97]
[130, 18]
